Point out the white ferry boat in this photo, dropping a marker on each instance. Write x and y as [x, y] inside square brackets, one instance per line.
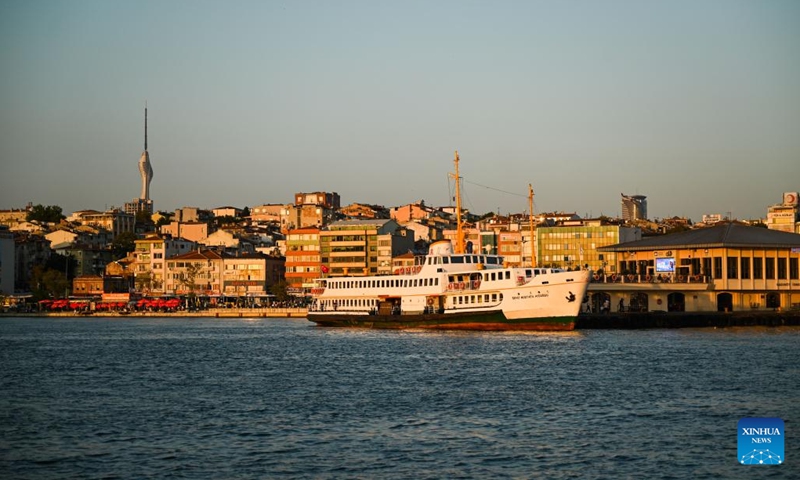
[445, 290]
[451, 289]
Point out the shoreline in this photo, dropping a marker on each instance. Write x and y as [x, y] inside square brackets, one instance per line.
[610, 321]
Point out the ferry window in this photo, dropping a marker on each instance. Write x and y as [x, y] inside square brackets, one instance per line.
[472, 299]
[494, 276]
[460, 300]
[480, 298]
[446, 260]
[475, 259]
[436, 281]
[486, 298]
[528, 273]
[458, 259]
[508, 275]
[494, 297]
[501, 297]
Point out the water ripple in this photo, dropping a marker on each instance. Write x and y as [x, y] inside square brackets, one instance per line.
[266, 398]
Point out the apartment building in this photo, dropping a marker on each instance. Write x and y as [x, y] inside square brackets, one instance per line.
[362, 247]
[198, 272]
[150, 256]
[303, 259]
[574, 244]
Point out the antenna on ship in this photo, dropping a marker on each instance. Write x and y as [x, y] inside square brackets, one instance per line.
[459, 246]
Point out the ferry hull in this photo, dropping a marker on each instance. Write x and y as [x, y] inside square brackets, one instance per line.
[488, 321]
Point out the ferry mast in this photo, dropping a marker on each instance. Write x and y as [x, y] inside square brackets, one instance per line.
[459, 246]
[530, 209]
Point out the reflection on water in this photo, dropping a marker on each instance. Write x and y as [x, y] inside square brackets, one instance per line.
[255, 398]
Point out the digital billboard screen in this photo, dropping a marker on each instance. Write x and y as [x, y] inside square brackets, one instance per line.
[665, 264]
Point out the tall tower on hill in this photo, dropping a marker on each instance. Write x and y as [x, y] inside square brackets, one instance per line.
[145, 169]
[143, 203]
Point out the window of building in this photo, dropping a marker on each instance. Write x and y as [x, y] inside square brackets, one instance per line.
[770, 268]
[781, 269]
[758, 268]
[744, 265]
[717, 267]
[706, 266]
[793, 273]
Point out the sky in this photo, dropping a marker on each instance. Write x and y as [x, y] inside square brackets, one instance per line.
[694, 103]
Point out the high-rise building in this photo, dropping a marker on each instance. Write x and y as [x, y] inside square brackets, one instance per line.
[785, 216]
[634, 207]
[143, 203]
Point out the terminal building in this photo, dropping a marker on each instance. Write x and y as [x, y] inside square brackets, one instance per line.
[727, 267]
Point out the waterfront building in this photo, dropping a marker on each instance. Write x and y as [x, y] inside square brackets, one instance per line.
[251, 275]
[150, 256]
[577, 243]
[362, 247]
[728, 267]
[88, 286]
[30, 250]
[303, 261]
[785, 216]
[634, 207]
[198, 272]
[6, 261]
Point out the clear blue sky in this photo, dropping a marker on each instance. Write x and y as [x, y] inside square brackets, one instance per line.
[695, 104]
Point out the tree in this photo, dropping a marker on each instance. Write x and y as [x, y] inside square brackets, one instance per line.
[143, 282]
[279, 289]
[144, 218]
[48, 283]
[50, 213]
[123, 244]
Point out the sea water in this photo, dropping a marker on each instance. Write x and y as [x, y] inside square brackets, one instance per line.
[282, 398]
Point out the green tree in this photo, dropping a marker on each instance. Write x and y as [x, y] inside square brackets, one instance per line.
[123, 244]
[50, 213]
[280, 290]
[48, 283]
